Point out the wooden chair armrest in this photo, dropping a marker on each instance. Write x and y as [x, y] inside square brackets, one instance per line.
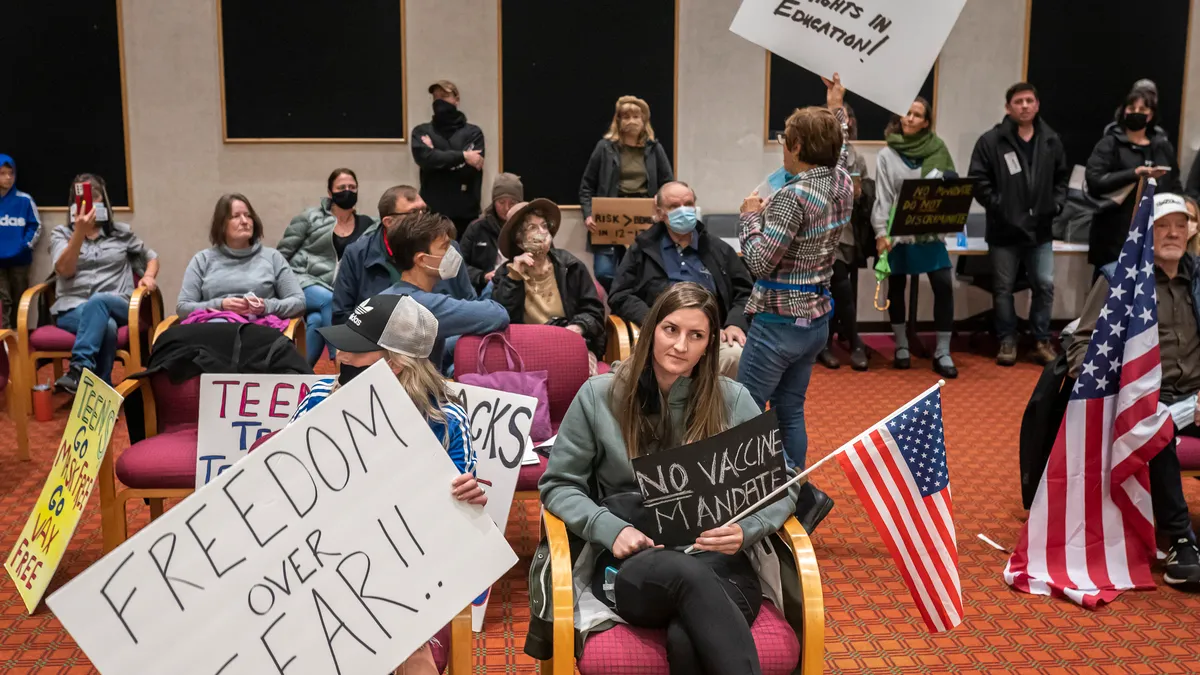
[618, 345]
[29, 301]
[563, 592]
[812, 650]
[635, 332]
[163, 326]
[128, 387]
[296, 333]
[461, 644]
[141, 296]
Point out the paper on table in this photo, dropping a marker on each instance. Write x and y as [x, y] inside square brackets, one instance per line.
[1184, 412]
[531, 457]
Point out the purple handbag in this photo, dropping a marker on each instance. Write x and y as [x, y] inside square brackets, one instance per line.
[515, 381]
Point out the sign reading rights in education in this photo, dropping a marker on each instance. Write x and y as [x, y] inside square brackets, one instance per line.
[43, 540]
[883, 49]
[500, 424]
[699, 486]
[334, 548]
[237, 410]
[621, 220]
[934, 205]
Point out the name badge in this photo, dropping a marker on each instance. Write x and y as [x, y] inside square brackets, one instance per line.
[1014, 164]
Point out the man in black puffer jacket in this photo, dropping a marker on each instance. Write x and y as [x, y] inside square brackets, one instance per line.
[1021, 173]
[450, 154]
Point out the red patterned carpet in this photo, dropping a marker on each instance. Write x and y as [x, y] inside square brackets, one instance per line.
[872, 625]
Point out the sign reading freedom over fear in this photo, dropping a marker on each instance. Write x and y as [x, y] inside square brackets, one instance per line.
[335, 548]
[43, 540]
[699, 486]
[883, 49]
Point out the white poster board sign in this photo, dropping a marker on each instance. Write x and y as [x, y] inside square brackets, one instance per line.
[500, 424]
[334, 548]
[883, 49]
[237, 410]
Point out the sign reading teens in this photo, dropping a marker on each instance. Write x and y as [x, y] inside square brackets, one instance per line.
[236, 411]
[335, 548]
[621, 220]
[882, 50]
[43, 540]
[700, 486]
[934, 205]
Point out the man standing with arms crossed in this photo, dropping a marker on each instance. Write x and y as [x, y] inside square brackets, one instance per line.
[788, 243]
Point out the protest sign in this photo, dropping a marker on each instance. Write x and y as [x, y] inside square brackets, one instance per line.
[882, 50]
[336, 547]
[621, 220]
[500, 424]
[236, 410]
[43, 540]
[700, 486]
[931, 206]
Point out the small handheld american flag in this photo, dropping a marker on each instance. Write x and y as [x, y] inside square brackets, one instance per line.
[898, 468]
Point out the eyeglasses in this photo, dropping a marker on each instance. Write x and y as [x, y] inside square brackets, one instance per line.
[414, 212]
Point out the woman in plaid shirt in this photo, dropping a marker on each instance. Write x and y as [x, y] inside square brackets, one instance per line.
[788, 243]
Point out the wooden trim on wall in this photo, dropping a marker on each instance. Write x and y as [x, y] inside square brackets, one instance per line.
[1187, 59]
[500, 83]
[1025, 57]
[403, 92]
[767, 102]
[675, 100]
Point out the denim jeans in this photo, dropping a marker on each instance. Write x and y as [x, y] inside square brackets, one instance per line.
[318, 302]
[1039, 265]
[95, 324]
[776, 365]
[607, 257]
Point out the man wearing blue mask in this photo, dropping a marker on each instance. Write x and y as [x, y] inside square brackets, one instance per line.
[677, 248]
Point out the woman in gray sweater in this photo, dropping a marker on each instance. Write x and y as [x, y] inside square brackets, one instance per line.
[238, 274]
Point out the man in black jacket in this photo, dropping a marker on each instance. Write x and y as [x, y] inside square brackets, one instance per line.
[1021, 174]
[450, 154]
[677, 248]
[479, 247]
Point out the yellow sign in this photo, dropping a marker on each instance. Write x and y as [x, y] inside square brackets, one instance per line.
[619, 221]
[44, 540]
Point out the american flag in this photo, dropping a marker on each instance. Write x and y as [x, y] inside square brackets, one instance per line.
[898, 467]
[1090, 533]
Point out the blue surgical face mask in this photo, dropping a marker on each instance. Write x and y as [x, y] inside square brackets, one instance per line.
[682, 219]
[778, 179]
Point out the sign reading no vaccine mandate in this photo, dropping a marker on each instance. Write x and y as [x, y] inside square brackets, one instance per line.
[334, 548]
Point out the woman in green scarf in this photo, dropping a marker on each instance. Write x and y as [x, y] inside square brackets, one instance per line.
[913, 151]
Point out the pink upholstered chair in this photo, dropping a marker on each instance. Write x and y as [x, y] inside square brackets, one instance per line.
[1188, 451]
[560, 352]
[12, 384]
[48, 342]
[624, 650]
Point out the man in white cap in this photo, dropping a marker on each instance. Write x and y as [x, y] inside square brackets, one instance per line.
[1177, 284]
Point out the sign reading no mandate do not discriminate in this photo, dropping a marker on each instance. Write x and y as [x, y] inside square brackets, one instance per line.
[883, 49]
[334, 548]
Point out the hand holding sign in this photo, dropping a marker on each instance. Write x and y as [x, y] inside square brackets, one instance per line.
[630, 541]
[835, 93]
[727, 539]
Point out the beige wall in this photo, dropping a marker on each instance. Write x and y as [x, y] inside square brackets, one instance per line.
[180, 164]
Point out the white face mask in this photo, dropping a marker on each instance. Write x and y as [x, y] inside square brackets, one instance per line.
[451, 261]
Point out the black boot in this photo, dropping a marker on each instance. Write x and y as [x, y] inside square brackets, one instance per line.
[70, 381]
[812, 507]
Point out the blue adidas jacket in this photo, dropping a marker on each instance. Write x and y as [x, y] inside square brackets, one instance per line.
[20, 225]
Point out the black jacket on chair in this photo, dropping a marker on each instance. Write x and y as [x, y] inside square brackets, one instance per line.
[642, 277]
[187, 351]
[576, 288]
[1020, 206]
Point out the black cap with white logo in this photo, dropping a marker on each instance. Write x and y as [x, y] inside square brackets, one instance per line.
[393, 322]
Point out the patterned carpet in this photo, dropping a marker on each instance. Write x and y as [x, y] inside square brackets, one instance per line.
[872, 625]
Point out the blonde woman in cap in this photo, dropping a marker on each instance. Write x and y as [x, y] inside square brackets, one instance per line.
[627, 162]
[545, 285]
[479, 247]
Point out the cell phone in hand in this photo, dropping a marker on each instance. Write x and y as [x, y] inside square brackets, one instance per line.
[83, 197]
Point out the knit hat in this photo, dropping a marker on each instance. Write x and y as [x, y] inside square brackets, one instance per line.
[508, 185]
[396, 323]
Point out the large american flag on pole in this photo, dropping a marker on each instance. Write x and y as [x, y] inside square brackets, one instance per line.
[898, 468]
[1090, 533]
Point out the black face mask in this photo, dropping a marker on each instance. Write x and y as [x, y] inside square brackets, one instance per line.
[345, 199]
[442, 108]
[348, 373]
[1136, 121]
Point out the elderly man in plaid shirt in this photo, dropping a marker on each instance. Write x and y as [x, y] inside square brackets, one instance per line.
[788, 243]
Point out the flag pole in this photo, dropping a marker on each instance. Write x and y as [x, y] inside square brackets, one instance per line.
[845, 446]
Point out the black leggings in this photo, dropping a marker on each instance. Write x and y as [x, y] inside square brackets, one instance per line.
[706, 601]
[845, 305]
[942, 282]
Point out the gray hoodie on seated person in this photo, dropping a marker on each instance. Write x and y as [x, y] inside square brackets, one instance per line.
[221, 272]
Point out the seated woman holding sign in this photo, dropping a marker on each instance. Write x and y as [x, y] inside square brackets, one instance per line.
[668, 394]
[397, 329]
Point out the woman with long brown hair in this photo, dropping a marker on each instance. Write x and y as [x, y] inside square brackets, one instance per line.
[669, 393]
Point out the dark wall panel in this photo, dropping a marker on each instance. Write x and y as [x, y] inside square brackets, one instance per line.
[313, 69]
[792, 87]
[1085, 55]
[564, 66]
[61, 107]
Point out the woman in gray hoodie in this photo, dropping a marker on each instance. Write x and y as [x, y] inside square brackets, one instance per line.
[238, 274]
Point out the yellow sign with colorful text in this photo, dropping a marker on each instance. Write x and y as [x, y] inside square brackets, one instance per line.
[43, 541]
